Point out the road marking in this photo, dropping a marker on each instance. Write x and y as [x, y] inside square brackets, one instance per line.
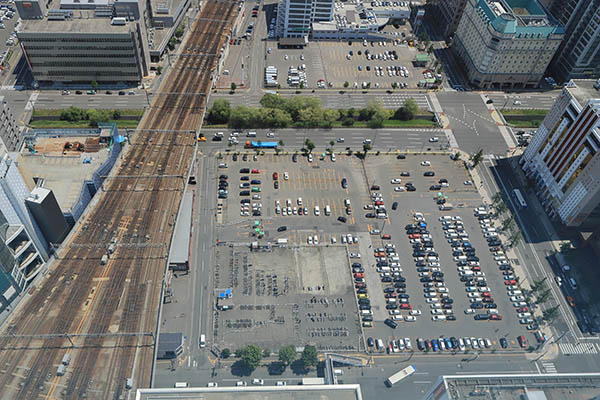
[549, 367]
[579, 348]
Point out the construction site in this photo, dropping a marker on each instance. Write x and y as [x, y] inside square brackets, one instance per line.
[88, 328]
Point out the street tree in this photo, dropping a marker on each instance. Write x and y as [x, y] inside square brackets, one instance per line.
[539, 285]
[220, 112]
[515, 238]
[477, 158]
[497, 198]
[366, 148]
[225, 353]
[346, 84]
[550, 314]
[287, 355]
[501, 208]
[508, 223]
[281, 144]
[310, 146]
[251, 355]
[233, 87]
[309, 356]
[543, 296]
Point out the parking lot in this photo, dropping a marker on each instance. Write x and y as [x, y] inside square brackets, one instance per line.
[332, 63]
[308, 215]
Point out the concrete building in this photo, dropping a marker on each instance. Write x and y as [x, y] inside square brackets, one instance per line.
[295, 17]
[84, 48]
[578, 57]
[9, 131]
[23, 247]
[506, 43]
[563, 157]
[447, 14]
[31, 9]
[45, 209]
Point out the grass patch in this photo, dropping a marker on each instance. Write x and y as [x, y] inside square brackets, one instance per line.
[520, 123]
[41, 113]
[56, 124]
[390, 123]
[518, 111]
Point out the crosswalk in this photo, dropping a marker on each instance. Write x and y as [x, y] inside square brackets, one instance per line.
[579, 348]
[549, 367]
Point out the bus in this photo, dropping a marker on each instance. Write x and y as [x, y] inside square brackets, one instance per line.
[519, 198]
[398, 376]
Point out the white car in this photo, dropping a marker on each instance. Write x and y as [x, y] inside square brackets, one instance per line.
[309, 240]
[396, 180]
[333, 157]
[438, 318]
[433, 140]
[436, 311]
[469, 311]
[432, 298]
[467, 183]
[425, 163]
[270, 134]
[281, 383]
[241, 383]
[212, 384]
[415, 312]
[517, 298]
[340, 140]
[286, 176]
[316, 239]
[354, 255]
[259, 382]
[410, 318]
[399, 189]
[310, 157]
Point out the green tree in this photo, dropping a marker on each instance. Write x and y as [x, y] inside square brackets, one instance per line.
[408, 110]
[501, 208]
[233, 87]
[180, 30]
[310, 146]
[225, 353]
[271, 100]
[346, 84]
[477, 157]
[394, 85]
[309, 356]
[251, 355]
[281, 144]
[94, 85]
[543, 296]
[550, 314]
[515, 239]
[243, 117]
[266, 353]
[159, 70]
[366, 148]
[508, 223]
[348, 121]
[497, 198]
[287, 355]
[539, 285]
[116, 114]
[73, 114]
[301, 86]
[220, 112]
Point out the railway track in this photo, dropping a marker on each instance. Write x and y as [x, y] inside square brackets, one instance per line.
[80, 295]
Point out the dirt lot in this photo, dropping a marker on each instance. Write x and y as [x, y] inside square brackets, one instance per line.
[286, 296]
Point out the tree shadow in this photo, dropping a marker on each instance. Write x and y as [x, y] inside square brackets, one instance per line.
[276, 368]
[239, 368]
[299, 368]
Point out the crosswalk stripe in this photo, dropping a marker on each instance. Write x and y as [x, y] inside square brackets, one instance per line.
[549, 367]
[580, 348]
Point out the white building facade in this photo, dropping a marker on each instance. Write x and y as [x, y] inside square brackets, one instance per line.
[502, 48]
[295, 17]
[563, 158]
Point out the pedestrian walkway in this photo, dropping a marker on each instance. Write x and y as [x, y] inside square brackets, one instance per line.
[549, 367]
[579, 348]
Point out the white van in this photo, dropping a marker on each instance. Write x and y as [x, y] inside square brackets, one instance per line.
[460, 258]
[317, 211]
[490, 230]
[181, 384]
[366, 312]
[327, 210]
[499, 258]
[251, 134]
[203, 338]
[466, 273]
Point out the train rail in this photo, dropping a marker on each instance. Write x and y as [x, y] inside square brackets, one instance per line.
[136, 210]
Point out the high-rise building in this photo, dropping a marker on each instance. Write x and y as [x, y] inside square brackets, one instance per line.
[578, 56]
[295, 17]
[447, 14]
[563, 157]
[506, 43]
[9, 131]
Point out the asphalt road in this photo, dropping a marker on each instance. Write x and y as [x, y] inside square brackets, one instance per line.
[471, 123]
[382, 139]
[543, 101]
[55, 100]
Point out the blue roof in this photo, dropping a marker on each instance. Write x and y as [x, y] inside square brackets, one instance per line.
[517, 11]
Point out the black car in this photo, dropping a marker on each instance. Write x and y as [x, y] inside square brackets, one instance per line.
[295, 158]
[435, 187]
[477, 305]
[344, 183]
[361, 291]
[255, 181]
[399, 285]
[400, 279]
[426, 279]
[391, 307]
[447, 301]
[121, 93]
[245, 201]
[418, 254]
[443, 180]
[342, 219]
[503, 343]
[401, 290]
[429, 173]
[489, 101]
[356, 264]
[481, 317]
[395, 205]
[244, 178]
[375, 187]
[447, 306]
[450, 318]
[405, 173]
[364, 306]
[390, 323]
[410, 188]
[245, 193]
[282, 228]
[364, 301]
[223, 177]
[382, 264]
[244, 170]
[420, 344]
[473, 258]
[454, 342]
[400, 157]
[386, 279]
[491, 305]
[482, 283]
[370, 215]
[388, 290]
[276, 184]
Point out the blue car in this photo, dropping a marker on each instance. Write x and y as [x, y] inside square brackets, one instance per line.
[448, 343]
[435, 344]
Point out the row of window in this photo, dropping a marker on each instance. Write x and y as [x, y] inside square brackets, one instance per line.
[75, 39]
[72, 75]
[70, 64]
[62, 48]
[67, 56]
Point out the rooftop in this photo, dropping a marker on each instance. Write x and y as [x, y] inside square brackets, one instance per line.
[520, 17]
[520, 386]
[321, 392]
[63, 173]
[181, 239]
[583, 90]
[83, 21]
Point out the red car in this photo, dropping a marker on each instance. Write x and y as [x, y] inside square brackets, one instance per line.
[386, 236]
[486, 294]
[256, 171]
[379, 203]
[522, 309]
[414, 236]
[510, 282]
[496, 317]
[275, 176]
[360, 285]
[359, 275]
[406, 306]
[522, 341]
[476, 268]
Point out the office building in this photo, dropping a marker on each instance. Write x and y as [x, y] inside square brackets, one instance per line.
[447, 14]
[45, 210]
[578, 56]
[506, 43]
[563, 157]
[23, 248]
[295, 17]
[9, 131]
